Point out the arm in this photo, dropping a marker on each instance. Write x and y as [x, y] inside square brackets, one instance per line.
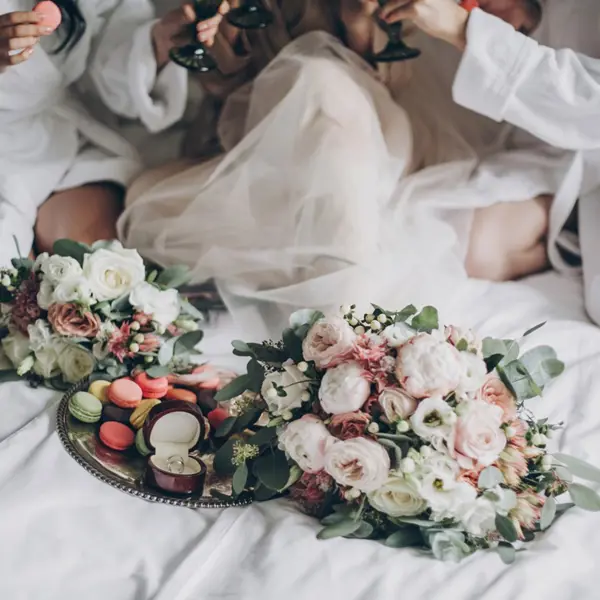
[125, 71]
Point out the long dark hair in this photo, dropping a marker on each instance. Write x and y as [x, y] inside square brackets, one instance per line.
[73, 24]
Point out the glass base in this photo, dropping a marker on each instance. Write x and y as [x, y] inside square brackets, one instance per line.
[193, 58]
[395, 52]
[250, 17]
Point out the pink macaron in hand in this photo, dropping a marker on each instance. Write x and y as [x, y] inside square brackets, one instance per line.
[125, 393]
[49, 14]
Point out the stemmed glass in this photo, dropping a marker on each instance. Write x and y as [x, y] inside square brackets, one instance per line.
[252, 14]
[196, 57]
[395, 49]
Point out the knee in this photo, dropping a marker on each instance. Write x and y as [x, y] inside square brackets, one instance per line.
[487, 263]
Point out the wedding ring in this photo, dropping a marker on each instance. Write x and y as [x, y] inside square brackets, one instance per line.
[175, 464]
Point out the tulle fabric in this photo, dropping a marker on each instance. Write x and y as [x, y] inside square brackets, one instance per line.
[316, 202]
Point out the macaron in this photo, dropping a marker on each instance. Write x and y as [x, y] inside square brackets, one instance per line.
[141, 412]
[49, 13]
[125, 393]
[99, 388]
[152, 388]
[174, 393]
[110, 412]
[85, 407]
[116, 435]
[140, 443]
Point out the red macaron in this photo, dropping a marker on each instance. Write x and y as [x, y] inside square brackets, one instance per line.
[152, 388]
[116, 435]
[216, 417]
[125, 393]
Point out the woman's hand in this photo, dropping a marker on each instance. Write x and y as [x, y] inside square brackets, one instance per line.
[178, 28]
[443, 19]
[19, 33]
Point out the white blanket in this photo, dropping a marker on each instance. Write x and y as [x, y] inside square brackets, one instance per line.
[65, 536]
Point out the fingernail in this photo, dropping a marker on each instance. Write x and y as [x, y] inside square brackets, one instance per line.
[46, 30]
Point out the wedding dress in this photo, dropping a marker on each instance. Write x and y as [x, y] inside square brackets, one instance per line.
[331, 190]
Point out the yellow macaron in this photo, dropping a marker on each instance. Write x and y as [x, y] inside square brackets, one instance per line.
[99, 388]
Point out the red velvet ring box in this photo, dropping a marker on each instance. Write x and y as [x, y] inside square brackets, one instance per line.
[173, 429]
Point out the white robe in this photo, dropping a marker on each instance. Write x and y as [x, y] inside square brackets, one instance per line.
[554, 95]
[50, 138]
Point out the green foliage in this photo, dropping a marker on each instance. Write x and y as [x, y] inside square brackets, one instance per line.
[506, 528]
[173, 277]
[272, 470]
[548, 513]
[427, 320]
[71, 249]
[343, 528]
[579, 467]
[233, 389]
[584, 497]
[507, 552]
[239, 479]
[405, 538]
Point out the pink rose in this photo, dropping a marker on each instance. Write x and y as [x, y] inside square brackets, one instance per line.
[396, 404]
[493, 391]
[479, 438]
[305, 441]
[69, 319]
[328, 341]
[349, 425]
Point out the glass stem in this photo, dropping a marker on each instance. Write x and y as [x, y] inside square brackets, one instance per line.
[394, 31]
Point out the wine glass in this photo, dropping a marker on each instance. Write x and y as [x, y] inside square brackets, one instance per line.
[195, 56]
[395, 49]
[252, 14]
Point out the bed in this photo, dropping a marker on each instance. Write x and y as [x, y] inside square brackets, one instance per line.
[65, 535]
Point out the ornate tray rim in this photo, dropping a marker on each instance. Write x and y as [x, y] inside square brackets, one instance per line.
[147, 494]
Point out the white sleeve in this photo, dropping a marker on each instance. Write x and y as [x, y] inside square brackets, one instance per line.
[124, 71]
[552, 94]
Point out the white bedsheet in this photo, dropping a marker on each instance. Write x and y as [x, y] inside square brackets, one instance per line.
[65, 536]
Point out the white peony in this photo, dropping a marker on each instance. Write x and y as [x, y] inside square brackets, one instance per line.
[479, 435]
[113, 273]
[478, 517]
[305, 441]
[46, 361]
[294, 383]
[398, 497]
[40, 335]
[456, 335]
[398, 334]
[74, 289]
[59, 268]
[16, 346]
[473, 376]
[162, 305]
[359, 463]
[75, 362]
[344, 389]
[396, 404]
[40, 261]
[435, 421]
[427, 366]
[45, 296]
[327, 341]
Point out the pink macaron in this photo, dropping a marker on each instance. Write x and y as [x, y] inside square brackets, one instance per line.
[116, 435]
[152, 388]
[49, 13]
[125, 393]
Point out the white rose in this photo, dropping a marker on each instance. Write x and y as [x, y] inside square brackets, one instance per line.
[478, 432]
[473, 376]
[398, 334]
[16, 346]
[294, 383]
[478, 517]
[344, 389]
[58, 268]
[396, 404]
[74, 289]
[427, 366]
[46, 361]
[162, 305]
[45, 295]
[359, 462]
[398, 497]
[113, 273]
[75, 362]
[40, 261]
[305, 441]
[435, 421]
[328, 340]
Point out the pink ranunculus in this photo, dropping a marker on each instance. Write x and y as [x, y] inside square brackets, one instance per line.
[70, 320]
[493, 391]
[328, 342]
[513, 465]
[305, 441]
[349, 425]
[479, 436]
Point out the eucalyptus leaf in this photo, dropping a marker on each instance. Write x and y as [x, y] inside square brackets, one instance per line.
[396, 449]
[233, 389]
[71, 249]
[584, 497]
[239, 479]
[263, 436]
[241, 348]
[165, 352]
[405, 313]
[248, 419]
[333, 519]
[263, 493]
[405, 538]
[364, 531]
[491, 362]
[507, 553]
[272, 470]
[396, 437]
[25, 264]
[579, 467]
[188, 341]
[256, 375]
[548, 513]
[9, 375]
[506, 528]
[174, 277]
[225, 427]
[189, 309]
[493, 346]
[295, 473]
[223, 457]
[120, 304]
[418, 522]
[427, 320]
[535, 328]
[490, 477]
[158, 371]
[293, 345]
[341, 529]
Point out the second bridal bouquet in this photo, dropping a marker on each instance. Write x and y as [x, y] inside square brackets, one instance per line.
[93, 309]
[391, 426]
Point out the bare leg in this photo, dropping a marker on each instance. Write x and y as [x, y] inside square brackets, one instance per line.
[508, 240]
[84, 214]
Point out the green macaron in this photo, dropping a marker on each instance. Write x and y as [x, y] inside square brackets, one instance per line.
[140, 443]
[85, 407]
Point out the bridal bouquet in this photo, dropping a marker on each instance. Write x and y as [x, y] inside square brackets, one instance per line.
[87, 309]
[389, 426]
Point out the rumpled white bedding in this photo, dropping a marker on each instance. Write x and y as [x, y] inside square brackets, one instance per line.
[66, 536]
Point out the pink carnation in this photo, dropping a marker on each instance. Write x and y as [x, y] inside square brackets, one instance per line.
[118, 342]
[493, 391]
